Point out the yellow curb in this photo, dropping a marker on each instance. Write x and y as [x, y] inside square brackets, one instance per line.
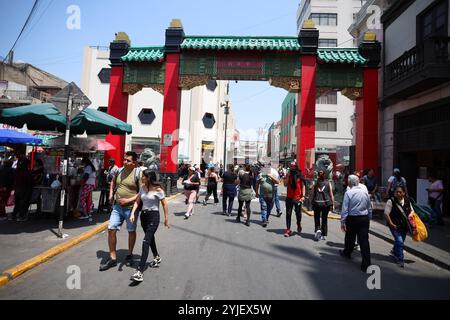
[311, 214]
[16, 271]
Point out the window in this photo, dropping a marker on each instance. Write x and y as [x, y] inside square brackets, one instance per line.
[146, 116]
[324, 19]
[433, 21]
[326, 124]
[104, 75]
[327, 42]
[208, 120]
[327, 98]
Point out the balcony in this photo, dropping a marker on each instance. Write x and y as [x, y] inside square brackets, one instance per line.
[418, 69]
[18, 97]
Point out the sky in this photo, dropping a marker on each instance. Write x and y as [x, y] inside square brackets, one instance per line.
[49, 44]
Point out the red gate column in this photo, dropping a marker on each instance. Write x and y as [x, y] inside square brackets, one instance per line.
[118, 100]
[171, 105]
[366, 130]
[306, 105]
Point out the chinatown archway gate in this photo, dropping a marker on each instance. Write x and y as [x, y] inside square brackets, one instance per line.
[293, 63]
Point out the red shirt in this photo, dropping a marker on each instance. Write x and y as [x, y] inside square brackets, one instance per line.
[297, 193]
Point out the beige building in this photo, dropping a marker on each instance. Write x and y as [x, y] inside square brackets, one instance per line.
[334, 111]
[202, 119]
[23, 84]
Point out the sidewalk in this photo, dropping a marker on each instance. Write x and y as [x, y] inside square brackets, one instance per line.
[24, 240]
[435, 249]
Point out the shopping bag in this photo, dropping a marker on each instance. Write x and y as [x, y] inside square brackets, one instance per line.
[422, 232]
[10, 201]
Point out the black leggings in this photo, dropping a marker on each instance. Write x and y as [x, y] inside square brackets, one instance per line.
[150, 223]
[291, 204]
[211, 189]
[247, 207]
[321, 212]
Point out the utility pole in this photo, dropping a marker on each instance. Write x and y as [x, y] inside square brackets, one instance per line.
[227, 111]
[63, 202]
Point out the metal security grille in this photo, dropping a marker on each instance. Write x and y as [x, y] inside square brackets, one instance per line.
[425, 129]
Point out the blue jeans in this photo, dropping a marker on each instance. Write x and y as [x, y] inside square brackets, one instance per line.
[119, 215]
[399, 238]
[266, 207]
[436, 206]
[276, 198]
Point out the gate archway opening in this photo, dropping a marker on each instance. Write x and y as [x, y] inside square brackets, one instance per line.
[295, 64]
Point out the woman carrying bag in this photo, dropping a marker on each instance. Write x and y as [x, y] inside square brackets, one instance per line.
[399, 213]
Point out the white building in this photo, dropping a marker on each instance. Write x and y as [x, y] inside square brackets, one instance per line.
[334, 126]
[202, 119]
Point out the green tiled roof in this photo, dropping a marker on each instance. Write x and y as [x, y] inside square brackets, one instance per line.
[144, 54]
[340, 55]
[241, 43]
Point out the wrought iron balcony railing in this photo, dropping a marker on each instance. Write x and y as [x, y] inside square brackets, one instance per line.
[429, 60]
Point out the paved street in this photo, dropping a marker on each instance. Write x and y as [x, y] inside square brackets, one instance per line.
[212, 256]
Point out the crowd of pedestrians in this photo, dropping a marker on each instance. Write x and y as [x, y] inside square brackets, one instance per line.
[135, 192]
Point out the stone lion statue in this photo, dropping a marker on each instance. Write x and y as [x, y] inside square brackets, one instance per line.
[324, 163]
[150, 159]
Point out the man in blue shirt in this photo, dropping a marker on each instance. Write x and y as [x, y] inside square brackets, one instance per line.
[355, 219]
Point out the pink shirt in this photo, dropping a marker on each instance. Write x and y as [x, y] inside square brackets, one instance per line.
[436, 185]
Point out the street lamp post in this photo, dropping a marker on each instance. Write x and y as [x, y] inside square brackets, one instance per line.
[227, 112]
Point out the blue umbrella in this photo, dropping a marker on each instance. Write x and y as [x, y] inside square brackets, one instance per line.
[15, 137]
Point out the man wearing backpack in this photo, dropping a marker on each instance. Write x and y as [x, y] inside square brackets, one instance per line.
[122, 194]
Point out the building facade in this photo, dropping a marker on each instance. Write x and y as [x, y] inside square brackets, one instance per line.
[273, 142]
[415, 108]
[23, 84]
[334, 111]
[202, 120]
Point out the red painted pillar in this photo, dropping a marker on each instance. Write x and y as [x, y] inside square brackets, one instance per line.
[118, 100]
[366, 130]
[117, 107]
[171, 115]
[306, 106]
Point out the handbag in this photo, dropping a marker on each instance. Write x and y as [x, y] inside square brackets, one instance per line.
[421, 231]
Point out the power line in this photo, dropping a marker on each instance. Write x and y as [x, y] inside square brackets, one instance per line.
[37, 21]
[33, 10]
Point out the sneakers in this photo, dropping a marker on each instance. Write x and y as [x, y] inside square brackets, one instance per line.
[204, 202]
[265, 223]
[238, 219]
[186, 216]
[287, 233]
[129, 260]
[401, 264]
[137, 276]
[21, 219]
[323, 238]
[155, 262]
[318, 235]
[108, 264]
[356, 248]
[247, 223]
[279, 213]
[83, 217]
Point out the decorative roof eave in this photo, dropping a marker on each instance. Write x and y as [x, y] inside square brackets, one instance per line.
[341, 56]
[144, 54]
[241, 43]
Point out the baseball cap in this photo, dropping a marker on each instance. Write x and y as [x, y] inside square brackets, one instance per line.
[396, 170]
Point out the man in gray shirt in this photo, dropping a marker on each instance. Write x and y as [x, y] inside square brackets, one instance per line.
[355, 219]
